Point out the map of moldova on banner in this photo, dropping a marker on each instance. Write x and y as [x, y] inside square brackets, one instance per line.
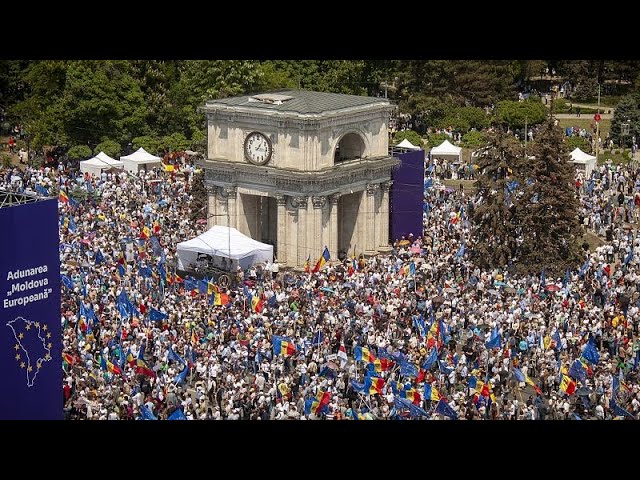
[30, 338]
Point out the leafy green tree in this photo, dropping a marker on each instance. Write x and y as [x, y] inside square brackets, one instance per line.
[547, 210]
[578, 142]
[474, 139]
[153, 145]
[494, 233]
[79, 152]
[175, 142]
[110, 147]
[101, 98]
[436, 139]
[627, 111]
[410, 135]
[202, 80]
[514, 114]
[462, 119]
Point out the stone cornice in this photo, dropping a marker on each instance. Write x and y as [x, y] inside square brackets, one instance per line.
[296, 182]
[250, 117]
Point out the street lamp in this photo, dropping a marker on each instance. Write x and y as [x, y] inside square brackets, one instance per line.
[624, 131]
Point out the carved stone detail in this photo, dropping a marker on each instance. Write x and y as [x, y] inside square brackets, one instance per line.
[319, 201]
[372, 188]
[386, 185]
[281, 199]
[334, 198]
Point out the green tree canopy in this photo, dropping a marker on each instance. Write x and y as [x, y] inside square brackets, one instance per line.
[410, 135]
[110, 147]
[514, 114]
[79, 152]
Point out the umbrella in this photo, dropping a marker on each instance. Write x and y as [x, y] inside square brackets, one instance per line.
[348, 284]
[450, 290]
[509, 290]
[439, 300]
[327, 289]
[403, 242]
[201, 221]
[552, 288]
[493, 292]
[416, 250]
[73, 263]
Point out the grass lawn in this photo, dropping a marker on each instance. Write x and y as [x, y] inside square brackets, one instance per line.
[605, 125]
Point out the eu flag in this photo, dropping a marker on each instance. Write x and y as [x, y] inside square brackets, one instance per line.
[445, 409]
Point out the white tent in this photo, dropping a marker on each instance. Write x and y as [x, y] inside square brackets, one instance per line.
[407, 144]
[446, 149]
[583, 161]
[140, 160]
[223, 242]
[100, 162]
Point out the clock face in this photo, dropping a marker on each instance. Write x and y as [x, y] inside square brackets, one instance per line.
[257, 148]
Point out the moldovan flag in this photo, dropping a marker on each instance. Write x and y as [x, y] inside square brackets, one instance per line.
[307, 265]
[324, 258]
[342, 355]
[256, 304]
[143, 369]
[282, 346]
[68, 359]
[109, 366]
[567, 385]
[62, 197]
[363, 354]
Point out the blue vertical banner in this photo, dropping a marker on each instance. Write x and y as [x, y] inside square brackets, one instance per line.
[30, 337]
[407, 196]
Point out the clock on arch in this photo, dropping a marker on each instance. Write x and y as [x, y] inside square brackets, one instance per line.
[257, 148]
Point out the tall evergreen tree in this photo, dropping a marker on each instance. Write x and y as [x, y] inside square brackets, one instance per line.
[494, 230]
[546, 208]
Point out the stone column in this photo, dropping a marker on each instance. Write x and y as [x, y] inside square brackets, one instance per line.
[281, 202]
[212, 206]
[300, 202]
[319, 238]
[231, 193]
[383, 215]
[369, 230]
[333, 226]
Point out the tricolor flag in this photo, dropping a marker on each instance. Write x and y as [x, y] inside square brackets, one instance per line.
[109, 366]
[363, 354]
[143, 369]
[431, 392]
[256, 304]
[62, 197]
[373, 385]
[317, 404]
[283, 346]
[567, 385]
[307, 265]
[324, 258]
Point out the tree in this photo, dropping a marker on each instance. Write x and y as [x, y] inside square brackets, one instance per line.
[547, 207]
[149, 143]
[578, 142]
[79, 152]
[494, 239]
[410, 135]
[514, 114]
[110, 147]
[101, 98]
[627, 111]
[176, 142]
[474, 139]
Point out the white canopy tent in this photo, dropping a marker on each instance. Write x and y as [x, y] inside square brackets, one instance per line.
[446, 149]
[140, 160]
[99, 163]
[583, 161]
[222, 242]
[407, 144]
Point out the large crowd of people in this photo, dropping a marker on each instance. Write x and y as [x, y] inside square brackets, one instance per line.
[421, 333]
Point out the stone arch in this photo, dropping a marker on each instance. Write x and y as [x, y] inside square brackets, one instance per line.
[351, 145]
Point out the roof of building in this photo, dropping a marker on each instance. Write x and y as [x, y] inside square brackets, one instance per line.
[299, 101]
